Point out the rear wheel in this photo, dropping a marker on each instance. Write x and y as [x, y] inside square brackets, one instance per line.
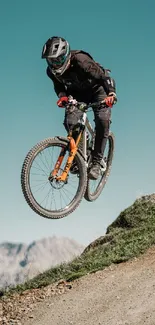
[95, 187]
[50, 198]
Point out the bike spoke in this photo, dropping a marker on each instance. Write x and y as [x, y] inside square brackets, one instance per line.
[40, 168]
[51, 195]
[64, 199]
[41, 155]
[66, 193]
[40, 188]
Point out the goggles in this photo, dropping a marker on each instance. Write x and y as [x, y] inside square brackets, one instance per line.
[57, 62]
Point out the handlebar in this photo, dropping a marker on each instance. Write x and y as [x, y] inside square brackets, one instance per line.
[83, 106]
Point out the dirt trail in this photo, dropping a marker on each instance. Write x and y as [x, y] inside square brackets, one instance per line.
[122, 294]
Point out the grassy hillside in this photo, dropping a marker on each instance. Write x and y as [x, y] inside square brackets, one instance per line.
[128, 236]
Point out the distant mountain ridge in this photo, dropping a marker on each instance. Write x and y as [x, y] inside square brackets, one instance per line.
[19, 262]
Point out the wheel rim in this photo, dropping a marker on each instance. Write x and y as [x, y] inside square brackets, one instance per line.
[50, 195]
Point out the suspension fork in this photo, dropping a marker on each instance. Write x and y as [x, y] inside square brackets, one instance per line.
[73, 145]
[58, 162]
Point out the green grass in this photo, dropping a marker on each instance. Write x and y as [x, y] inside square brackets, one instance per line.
[130, 235]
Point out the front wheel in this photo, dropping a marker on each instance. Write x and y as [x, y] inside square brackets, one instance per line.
[50, 198]
[95, 187]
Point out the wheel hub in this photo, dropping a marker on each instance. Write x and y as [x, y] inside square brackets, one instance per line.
[56, 184]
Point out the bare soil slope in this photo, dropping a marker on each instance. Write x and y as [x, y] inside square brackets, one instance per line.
[121, 294]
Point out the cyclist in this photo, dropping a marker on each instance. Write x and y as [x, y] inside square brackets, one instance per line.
[75, 73]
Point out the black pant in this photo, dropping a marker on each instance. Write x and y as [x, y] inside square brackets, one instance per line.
[102, 117]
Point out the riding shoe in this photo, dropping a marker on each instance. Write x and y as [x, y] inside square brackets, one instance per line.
[95, 170]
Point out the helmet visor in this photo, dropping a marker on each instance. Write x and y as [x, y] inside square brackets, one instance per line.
[56, 62]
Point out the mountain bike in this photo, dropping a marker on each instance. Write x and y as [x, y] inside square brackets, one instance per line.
[51, 186]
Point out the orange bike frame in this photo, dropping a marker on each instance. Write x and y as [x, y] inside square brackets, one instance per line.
[73, 150]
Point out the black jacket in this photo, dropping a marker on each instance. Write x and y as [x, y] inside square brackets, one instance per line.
[83, 74]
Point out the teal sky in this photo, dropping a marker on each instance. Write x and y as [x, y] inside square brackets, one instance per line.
[120, 35]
